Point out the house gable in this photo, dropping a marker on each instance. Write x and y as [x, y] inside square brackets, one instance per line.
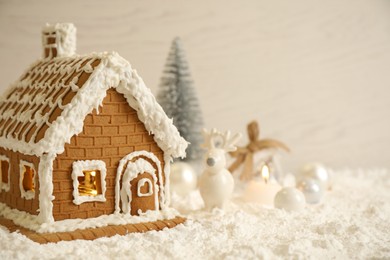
[109, 135]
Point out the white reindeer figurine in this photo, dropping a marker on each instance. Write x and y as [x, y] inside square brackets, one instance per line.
[216, 184]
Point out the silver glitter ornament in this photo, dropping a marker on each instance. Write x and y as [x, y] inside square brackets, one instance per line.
[316, 171]
[312, 190]
[183, 178]
[289, 198]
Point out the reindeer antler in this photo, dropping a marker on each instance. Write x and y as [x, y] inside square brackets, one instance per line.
[208, 138]
[229, 142]
[213, 137]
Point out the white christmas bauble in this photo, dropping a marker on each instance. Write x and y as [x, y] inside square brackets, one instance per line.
[312, 190]
[316, 171]
[289, 198]
[183, 178]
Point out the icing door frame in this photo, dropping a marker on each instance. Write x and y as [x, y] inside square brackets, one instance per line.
[133, 169]
[129, 169]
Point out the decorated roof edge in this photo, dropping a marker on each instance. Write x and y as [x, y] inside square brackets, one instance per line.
[113, 71]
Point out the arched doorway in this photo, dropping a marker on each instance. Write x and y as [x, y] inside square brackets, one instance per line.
[138, 183]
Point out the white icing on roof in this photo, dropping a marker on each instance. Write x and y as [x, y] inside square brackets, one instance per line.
[113, 71]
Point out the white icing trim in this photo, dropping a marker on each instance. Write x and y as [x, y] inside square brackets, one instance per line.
[141, 183]
[167, 172]
[113, 71]
[88, 165]
[45, 175]
[32, 222]
[131, 172]
[30, 194]
[5, 186]
[140, 97]
[120, 169]
[65, 39]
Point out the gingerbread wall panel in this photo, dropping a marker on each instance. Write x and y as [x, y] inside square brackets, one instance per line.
[109, 136]
[13, 197]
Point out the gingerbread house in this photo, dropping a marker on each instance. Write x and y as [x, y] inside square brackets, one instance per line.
[81, 136]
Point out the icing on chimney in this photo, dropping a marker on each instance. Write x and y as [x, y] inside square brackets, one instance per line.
[59, 40]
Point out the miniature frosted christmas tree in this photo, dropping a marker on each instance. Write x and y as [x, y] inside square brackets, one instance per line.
[178, 98]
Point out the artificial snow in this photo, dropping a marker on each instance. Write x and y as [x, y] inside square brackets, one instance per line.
[352, 222]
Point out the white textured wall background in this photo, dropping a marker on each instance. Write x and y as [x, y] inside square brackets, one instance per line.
[314, 73]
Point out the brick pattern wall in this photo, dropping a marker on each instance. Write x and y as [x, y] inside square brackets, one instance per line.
[13, 197]
[109, 135]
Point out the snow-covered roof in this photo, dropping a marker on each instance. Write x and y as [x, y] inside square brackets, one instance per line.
[47, 106]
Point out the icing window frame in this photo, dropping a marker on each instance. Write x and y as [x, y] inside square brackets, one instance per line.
[5, 185]
[81, 169]
[141, 183]
[28, 194]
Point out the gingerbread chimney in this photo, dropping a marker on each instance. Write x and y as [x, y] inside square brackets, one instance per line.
[58, 40]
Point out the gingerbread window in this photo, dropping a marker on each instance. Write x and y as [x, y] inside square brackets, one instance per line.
[27, 180]
[5, 173]
[89, 181]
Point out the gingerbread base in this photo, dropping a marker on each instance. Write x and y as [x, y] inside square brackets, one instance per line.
[91, 233]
